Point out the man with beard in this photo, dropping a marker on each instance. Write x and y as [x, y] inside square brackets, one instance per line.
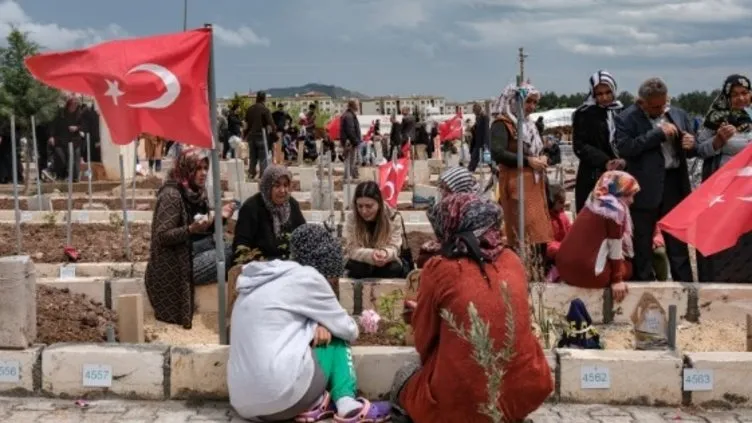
[656, 140]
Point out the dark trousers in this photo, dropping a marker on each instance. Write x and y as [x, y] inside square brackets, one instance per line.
[62, 161]
[475, 155]
[258, 154]
[360, 270]
[644, 221]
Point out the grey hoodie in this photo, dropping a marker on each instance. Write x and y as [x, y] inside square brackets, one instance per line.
[273, 322]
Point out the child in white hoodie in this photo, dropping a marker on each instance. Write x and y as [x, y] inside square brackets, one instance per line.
[290, 356]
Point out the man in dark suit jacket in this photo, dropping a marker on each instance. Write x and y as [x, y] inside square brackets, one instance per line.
[656, 140]
[481, 137]
[350, 137]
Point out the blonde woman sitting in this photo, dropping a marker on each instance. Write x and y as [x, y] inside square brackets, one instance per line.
[373, 236]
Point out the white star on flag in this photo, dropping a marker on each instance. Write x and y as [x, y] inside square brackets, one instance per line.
[113, 90]
[717, 199]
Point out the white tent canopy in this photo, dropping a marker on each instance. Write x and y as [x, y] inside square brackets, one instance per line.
[555, 118]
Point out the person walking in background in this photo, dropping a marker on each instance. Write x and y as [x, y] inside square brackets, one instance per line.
[257, 120]
[594, 139]
[350, 137]
[655, 140]
[395, 138]
[481, 136]
[281, 120]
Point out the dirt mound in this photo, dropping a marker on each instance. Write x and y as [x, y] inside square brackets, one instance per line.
[66, 317]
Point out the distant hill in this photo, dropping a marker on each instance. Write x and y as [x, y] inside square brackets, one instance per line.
[330, 90]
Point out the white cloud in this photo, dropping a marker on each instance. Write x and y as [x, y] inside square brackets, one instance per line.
[618, 28]
[425, 48]
[51, 35]
[239, 37]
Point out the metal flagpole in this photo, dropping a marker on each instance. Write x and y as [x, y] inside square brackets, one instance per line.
[266, 148]
[217, 185]
[69, 222]
[16, 205]
[135, 172]
[88, 160]
[330, 180]
[36, 160]
[348, 193]
[520, 159]
[126, 243]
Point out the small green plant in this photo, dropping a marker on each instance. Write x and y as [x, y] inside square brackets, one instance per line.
[485, 354]
[50, 218]
[246, 255]
[386, 306]
[116, 220]
[546, 322]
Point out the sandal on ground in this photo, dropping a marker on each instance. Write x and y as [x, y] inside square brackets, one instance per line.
[324, 410]
[377, 412]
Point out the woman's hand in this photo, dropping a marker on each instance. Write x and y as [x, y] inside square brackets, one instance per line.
[537, 163]
[619, 291]
[227, 210]
[200, 226]
[380, 257]
[616, 164]
[725, 132]
[321, 336]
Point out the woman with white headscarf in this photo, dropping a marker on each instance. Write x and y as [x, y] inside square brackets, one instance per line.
[504, 142]
[593, 135]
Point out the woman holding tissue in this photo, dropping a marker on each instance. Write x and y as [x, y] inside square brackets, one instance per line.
[182, 245]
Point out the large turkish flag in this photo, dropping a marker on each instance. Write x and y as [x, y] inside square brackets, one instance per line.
[157, 85]
[715, 215]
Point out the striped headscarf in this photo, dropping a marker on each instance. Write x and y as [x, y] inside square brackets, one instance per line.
[607, 200]
[598, 78]
[458, 179]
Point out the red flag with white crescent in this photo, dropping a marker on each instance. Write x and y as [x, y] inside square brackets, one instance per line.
[451, 129]
[392, 176]
[717, 213]
[157, 84]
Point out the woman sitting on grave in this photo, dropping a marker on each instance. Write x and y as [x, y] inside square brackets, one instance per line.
[182, 244]
[596, 252]
[289, 355]
[475, 275]
[267, 219]
[454, 180]
[373, 236]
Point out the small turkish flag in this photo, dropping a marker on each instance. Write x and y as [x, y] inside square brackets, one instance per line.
[715, 215]
[333, 127]
[392, 177]
[157, 85]
[451, 129]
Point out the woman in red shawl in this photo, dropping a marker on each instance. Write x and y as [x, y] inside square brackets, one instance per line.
[448, 385]
[597, 250]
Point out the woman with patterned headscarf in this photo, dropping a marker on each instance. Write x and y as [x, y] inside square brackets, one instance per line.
[594, 135]
[504, 143]
[267, 219]
[182, 251]
[727, 130]
[473, 268]
[597, 251]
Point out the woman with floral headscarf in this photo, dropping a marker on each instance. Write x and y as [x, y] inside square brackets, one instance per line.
[267, 219]
[597, 250]
[473, 268]
[727, 130]
[182, 243]
[594, 133]
[504, 144]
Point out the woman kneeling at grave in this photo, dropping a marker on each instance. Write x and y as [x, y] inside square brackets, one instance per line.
[182, 244]
[475, 275]
[289, 355]
[596, 252]
[374, 235]
[267, 219]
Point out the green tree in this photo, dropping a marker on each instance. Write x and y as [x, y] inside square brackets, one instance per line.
[242, 101]
[20, 94]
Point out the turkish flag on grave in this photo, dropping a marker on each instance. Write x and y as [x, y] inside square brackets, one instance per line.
[157, 85]
[715, 215]
[451, 129]
[392, 177]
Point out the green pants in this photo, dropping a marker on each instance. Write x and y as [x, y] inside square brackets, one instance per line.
[336, 362]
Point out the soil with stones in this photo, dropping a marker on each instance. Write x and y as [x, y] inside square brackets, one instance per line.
[388, 334]
[100, 242]
[66, 317]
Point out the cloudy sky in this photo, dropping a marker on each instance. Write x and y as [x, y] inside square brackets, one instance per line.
[463, 49]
